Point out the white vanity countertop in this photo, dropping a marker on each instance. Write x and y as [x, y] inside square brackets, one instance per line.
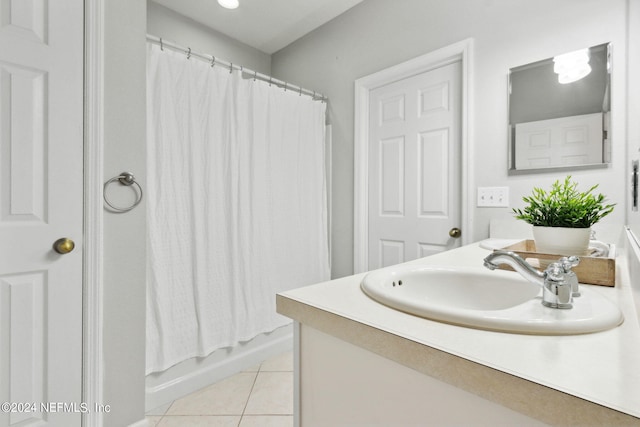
[603, 367]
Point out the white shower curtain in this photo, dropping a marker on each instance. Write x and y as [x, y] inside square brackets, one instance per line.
[236, 207]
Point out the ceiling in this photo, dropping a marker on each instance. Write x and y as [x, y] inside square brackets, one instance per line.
[267, 25]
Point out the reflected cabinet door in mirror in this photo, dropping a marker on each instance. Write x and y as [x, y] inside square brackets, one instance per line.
[559, 112]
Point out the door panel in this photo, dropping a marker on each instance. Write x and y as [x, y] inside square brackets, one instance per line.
[414, 166]
[392, 177]
[391, 252]
[41, 184]
[434, 172]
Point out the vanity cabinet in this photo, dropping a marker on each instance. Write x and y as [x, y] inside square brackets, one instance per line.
[341, 384]
[361, 363]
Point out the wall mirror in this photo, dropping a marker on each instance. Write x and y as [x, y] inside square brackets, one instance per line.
[559, 112]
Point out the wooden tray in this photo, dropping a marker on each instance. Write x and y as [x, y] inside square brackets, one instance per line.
[591, 270]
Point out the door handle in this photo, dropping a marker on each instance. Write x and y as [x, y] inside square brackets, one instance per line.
[63, 245]
[455, 232]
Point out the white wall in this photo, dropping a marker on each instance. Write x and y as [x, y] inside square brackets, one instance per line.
[124, 284]
[164, 22]
[377, 34]
[633, 97]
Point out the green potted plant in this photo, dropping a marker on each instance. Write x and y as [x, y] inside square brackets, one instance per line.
[562, 217]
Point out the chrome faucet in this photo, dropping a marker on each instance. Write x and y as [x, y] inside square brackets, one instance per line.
[556, 281]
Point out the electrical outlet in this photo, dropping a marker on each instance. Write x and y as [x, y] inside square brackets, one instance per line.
[493, 197]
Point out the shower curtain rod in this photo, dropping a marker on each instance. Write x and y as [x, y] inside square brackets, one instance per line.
[231, 66]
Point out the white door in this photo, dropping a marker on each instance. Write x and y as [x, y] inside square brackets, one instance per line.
[41, 184]
[414, 166]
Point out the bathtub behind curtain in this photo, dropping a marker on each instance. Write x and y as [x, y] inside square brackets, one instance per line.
[236, 205]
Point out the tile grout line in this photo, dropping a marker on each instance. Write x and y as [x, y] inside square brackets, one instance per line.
[165, 413]
[250, 392]
[161, 416]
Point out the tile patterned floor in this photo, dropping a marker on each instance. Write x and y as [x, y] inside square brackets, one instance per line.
[258, 397]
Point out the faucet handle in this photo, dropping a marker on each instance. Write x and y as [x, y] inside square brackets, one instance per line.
[555, 271]
[569, 262]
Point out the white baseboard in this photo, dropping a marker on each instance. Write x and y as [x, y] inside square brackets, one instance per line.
[179, 381]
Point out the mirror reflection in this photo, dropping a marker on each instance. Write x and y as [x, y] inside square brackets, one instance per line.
[559, 111]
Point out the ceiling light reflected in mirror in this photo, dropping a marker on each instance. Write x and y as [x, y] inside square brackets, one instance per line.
[229, 4]
[573, 66]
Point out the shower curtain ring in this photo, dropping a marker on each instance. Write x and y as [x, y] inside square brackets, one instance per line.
[230, 68]
[161, 44]
[270, 79]
[285, 86]
[255, 75]
[189, 54]
[213, 61]
[300, 93]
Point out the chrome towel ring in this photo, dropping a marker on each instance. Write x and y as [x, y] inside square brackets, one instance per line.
[127, 179]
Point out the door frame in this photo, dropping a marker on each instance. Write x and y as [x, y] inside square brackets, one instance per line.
[92, 322]
[461, 51]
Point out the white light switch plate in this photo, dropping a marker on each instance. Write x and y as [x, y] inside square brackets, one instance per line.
[493, 197]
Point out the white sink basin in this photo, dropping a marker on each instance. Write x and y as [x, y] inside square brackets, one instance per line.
[484, 299]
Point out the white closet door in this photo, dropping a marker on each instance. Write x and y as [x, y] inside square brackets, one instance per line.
[41, 140]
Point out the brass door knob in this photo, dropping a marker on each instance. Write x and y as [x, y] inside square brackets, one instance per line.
[63, 246]
[455, 232]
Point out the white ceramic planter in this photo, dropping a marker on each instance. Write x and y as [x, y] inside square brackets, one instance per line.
[561, 240]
